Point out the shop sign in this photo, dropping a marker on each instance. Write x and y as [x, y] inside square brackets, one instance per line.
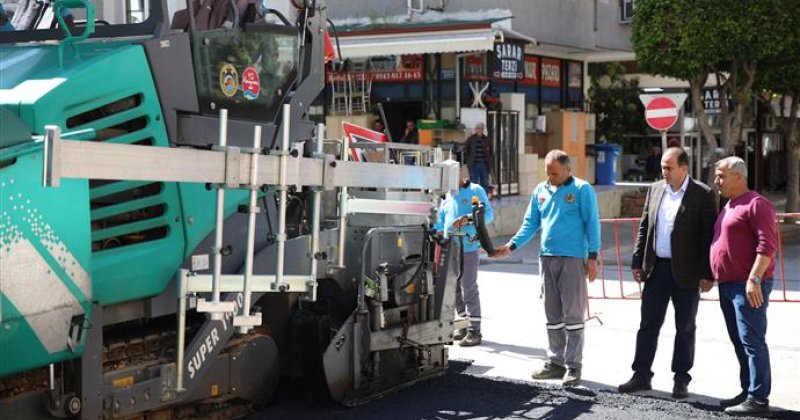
[711, 101]
[575, 74]
[474, 68]
[551, 72]
[508, 61]
[390, 76]
[447, 74]
[531, 73]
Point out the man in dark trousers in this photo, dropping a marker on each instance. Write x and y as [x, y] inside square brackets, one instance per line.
[742, 261]
[671, 257]
[478, 156]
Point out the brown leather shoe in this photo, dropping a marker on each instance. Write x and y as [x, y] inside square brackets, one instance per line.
[635, 384]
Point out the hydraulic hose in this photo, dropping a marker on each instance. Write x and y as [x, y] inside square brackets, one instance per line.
[478, 213]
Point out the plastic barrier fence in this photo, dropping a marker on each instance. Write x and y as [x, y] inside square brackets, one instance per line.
[615, 281]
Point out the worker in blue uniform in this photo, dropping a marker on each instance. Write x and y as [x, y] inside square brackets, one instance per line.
[454, 221]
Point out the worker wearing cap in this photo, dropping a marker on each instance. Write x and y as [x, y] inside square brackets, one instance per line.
[453, 219]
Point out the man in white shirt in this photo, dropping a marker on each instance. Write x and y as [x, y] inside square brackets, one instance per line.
[671, 258]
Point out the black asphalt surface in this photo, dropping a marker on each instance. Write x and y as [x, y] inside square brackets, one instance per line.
[462, 394]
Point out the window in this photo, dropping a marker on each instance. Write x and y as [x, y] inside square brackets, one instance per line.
[626, 11]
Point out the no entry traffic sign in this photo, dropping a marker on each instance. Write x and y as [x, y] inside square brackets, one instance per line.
[661, 113]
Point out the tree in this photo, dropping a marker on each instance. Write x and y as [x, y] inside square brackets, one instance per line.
[666, 41]
[730, 39]
[750, 33]
[615, 101]
[778, 82]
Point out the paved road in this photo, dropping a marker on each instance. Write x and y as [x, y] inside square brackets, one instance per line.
[492, 381]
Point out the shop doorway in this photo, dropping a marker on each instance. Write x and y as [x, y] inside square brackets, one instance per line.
[397, 113]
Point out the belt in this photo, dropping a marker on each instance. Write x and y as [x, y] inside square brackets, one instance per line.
[660, 260]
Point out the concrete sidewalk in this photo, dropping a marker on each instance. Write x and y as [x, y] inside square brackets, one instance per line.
[515, 340]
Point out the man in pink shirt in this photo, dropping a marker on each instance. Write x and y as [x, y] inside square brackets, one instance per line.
[741, 254]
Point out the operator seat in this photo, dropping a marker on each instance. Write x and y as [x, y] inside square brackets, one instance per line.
[213, 14]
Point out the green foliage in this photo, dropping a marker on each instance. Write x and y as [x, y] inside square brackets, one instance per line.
[615, 101]
[780, 73]
[682, 39]
[670, 38]
[731, 39]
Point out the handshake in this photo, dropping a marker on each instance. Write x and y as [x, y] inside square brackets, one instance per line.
[502, 251]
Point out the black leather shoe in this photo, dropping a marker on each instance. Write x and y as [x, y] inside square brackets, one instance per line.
[635, 384]
[730, 402]
[680, 390]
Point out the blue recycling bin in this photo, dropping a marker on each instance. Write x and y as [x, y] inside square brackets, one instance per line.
[606, 164]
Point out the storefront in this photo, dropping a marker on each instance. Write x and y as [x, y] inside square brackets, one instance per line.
[431, 72]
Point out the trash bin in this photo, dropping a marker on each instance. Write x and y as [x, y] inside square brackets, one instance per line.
[606, 165]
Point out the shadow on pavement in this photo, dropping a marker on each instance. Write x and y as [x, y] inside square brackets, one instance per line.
[493, 347]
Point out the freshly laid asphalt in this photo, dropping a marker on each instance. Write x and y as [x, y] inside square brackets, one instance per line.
[492, 381]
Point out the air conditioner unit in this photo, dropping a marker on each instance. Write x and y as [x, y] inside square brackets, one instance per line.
[768, 122]
[626, 11]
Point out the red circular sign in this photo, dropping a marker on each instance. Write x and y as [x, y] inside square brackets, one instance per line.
[251, 83]
[661, 113]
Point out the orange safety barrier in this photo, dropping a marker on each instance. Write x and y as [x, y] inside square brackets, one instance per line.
[634, 289]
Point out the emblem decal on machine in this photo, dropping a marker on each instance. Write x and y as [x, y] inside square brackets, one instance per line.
[228, 80]
[251, 83]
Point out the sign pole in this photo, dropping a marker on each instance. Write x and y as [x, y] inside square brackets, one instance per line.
[664, 140]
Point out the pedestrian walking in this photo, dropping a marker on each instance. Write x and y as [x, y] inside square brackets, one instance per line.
[478, 156]
[742, 263]
[565, 208]
[453, 219]
[671, 257]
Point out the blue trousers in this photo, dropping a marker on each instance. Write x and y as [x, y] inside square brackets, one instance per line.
[479, 174]
[747, 329]
[659, 288]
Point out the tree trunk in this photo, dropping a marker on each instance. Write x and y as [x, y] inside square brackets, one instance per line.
[739, 84]
[695, 87]
[792, 133]
[726, 115]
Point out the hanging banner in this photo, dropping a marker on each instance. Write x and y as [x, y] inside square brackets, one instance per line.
[508, 63]
[551, 72]
[531, 73]
[474, 69]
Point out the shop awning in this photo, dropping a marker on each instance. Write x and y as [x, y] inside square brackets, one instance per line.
[423, 42]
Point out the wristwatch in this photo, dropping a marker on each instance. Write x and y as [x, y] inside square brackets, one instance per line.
[756, 279]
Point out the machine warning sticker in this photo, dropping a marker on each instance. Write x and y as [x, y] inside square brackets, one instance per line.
[251, 83]
[228, 80]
